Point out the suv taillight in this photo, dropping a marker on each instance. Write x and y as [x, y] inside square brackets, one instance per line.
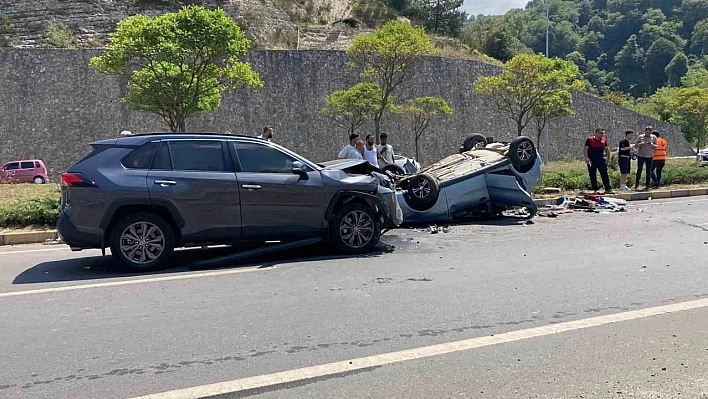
[75, 180]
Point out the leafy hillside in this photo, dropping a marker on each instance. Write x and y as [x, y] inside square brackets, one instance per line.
[632, 46]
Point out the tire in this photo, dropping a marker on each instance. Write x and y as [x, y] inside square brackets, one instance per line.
[522, 152]
[395, 169]
[474, 141]
[135, 225]
[423, 192]
[342, 235]
[38, 180]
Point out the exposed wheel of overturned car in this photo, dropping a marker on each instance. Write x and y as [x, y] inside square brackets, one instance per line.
[522, 153]
[395, 169]
[423, 192]
[355, 228]
[474, 141]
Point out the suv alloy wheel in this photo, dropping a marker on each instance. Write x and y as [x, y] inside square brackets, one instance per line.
[355, 228]
[142, 241]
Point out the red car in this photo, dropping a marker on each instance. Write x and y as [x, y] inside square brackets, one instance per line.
[28, 171]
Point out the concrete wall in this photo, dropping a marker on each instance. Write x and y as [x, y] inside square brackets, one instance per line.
[52, 105]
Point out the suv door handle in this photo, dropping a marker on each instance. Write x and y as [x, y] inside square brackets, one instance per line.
[165, 183]
[251, 186]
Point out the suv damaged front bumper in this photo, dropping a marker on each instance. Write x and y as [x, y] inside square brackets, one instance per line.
[387, 193]
[393, 209]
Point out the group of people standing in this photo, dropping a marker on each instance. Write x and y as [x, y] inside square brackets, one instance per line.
[650, 148]
[378, 156]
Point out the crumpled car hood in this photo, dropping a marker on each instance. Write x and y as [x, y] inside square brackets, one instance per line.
[350, 166]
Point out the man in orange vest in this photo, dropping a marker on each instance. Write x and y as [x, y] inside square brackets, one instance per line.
[659, 159]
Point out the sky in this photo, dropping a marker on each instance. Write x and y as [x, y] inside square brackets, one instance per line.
[475, 7]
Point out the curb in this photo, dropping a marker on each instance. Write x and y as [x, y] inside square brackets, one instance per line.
[642, 196]
[32, 237]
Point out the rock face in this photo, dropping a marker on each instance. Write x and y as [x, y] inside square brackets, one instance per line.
[92, 20]
[52, 105]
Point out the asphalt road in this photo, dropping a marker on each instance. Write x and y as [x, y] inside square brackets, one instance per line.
[581, 306]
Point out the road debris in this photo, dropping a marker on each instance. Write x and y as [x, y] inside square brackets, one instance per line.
[593, 203]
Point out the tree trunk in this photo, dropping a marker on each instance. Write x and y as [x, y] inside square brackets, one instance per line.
[181, 128]
[538, 137]
[377, 127]
[519, 127]
[417, 155]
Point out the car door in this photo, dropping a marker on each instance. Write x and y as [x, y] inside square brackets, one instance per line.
[9, 171]
[196, 178]
[26, 172]
[276, 203]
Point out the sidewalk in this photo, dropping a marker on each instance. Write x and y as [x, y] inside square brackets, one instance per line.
[637, 196]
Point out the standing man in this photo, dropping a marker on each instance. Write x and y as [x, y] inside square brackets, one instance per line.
[267, 133]
[625, 159]
[371, 153]
[646, 144]
[659, 159]
[385, 152]
[595, 151]
[350, 151]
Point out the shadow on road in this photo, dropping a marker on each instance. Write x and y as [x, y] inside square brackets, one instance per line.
[99, 267]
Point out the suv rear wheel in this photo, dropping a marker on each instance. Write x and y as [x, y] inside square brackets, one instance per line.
[355, 229]
[142, 241]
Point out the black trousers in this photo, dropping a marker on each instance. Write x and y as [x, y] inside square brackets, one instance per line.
[656, 168]
[641, 161]
[599, 166]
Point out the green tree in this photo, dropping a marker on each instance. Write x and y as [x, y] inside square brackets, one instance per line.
[659, 55]
[689, 107]
[691, 12]
[354, 106]
[527, 82]
[183, 62]
[420, 112]
[699, 39]
[628, 64]
[60, 36]
[441, 17]
[389, 56]
[677, 69]
[697, 76]
[551, 107]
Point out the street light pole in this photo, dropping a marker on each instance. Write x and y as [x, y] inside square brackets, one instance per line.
[548, 25]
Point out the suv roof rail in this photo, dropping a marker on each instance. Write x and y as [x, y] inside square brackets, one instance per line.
[188, 134]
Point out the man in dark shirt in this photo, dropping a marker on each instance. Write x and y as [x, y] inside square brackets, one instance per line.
[625, 159]
[595, 150]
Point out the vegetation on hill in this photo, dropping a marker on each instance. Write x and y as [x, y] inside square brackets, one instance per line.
[629, 46]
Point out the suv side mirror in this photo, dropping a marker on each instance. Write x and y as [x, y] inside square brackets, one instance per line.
[299, 167]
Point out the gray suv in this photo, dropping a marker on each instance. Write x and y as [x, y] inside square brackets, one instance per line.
[144, 195]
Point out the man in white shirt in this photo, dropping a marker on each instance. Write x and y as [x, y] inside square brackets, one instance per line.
[267, 133]
[350, 151]
[371, 152]
[385, 152]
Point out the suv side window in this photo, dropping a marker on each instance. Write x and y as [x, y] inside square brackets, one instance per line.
[260, 158]
[27, 165]
[198, 155]
[141, 157]
[163, 161]
[12, 166]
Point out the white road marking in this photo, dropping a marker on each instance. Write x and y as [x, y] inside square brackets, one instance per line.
[135, 281]
[329, 369]
[27, 251]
